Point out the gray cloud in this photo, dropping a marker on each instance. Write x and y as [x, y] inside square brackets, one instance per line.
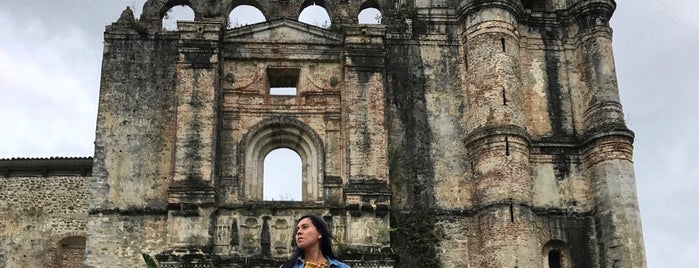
[655, 45]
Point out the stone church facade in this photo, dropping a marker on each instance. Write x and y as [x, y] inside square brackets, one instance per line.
[473, 133]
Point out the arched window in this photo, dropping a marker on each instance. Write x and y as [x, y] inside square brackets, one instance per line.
[282, 176]
[175, 14]
[370, 16]
[554, 259]
[245, 15]
[556, 254]
[315, 14]
[275, 133]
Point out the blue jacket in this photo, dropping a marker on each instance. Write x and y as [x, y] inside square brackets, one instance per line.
[332, 263]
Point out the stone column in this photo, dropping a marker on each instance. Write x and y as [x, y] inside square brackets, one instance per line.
[192, 190]
[364, 121]
[608, 163]
[496, 140]
[601, 102]
[364, 103]
[197, 92]
[607, 151]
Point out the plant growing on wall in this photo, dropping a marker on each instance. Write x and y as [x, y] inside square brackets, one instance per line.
[150, 263]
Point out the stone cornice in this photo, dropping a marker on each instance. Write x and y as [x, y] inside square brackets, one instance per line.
[612, 130]
[128, 211]
[577, 12]
[466, 7]
[507, 130]
[506, 204]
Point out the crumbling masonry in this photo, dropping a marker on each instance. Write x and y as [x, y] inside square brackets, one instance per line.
[472, 133]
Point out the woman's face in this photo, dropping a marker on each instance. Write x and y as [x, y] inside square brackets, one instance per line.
[307, 235]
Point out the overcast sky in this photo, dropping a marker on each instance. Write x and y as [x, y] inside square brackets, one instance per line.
[50, 57]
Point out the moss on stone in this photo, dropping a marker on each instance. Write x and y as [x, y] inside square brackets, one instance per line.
[414, 238]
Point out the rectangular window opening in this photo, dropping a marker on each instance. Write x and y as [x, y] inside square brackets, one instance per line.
[282, 91]
[283, 81]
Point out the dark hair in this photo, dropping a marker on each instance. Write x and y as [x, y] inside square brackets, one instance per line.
[325, 242]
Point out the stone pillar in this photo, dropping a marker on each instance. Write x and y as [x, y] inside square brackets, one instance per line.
[497, 141]
[608, 163]
[607, 150]
[364, 103]
[192, 191]
[601, 102]
[197, 93]
[367, 195]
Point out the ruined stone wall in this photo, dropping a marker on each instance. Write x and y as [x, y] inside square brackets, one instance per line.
[36, 213]
[72, 257]
[457, 133]
[420, 176]
[134, 147]
[467, 133]
[524, 109]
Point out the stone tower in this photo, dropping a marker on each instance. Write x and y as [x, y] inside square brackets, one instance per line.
[472, 133]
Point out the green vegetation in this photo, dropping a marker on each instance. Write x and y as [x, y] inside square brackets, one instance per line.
[150, 263]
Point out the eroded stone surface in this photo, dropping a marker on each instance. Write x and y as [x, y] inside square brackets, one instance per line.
[454, 134]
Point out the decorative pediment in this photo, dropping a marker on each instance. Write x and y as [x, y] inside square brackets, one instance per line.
[283, 31]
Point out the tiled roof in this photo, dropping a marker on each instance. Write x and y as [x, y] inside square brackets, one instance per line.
[48, 166]
[45, 158]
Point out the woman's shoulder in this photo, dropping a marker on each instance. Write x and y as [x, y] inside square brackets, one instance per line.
[292, 263]
[333, 263]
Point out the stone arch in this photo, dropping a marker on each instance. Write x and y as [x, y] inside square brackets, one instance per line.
[174, 15]
[67, 250]
[240, 3]
[321, 3]
[155, 10]
[253, 3]
[275, 133]
[370, 4]
[559, 251]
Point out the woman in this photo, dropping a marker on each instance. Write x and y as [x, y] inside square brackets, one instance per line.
[313, 246]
